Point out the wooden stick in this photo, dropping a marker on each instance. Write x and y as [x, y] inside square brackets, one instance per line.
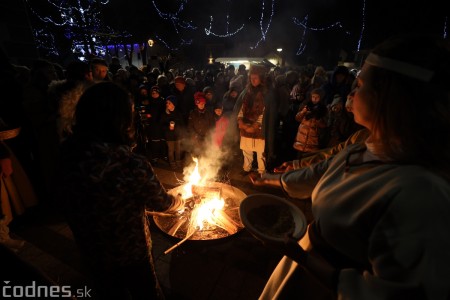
[222, 220]
[160, 214]
[177, 226]
[180, 242]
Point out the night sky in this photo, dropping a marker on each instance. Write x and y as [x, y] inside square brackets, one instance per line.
[382, 19]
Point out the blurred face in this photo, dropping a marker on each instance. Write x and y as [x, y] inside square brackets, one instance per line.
[315, 98]
[99, 72]
[201, 105]
[88, 76]
[180, 86]
[170, 106]
[363, 97]
[218, 111]
[208, 96]
[255, 80]
[155, 94]
[233, 94]
[143, 92]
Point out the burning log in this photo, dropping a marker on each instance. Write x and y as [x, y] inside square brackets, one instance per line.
[222, 220]
[210, 212]
[208, 192]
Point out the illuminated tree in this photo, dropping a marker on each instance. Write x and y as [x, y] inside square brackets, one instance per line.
[80, 23]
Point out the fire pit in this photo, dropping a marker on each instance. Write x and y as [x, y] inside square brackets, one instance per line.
[211, 212]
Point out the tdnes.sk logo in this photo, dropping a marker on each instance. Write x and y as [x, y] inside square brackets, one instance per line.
[34, 290]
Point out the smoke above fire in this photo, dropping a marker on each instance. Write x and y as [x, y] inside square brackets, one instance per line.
[207, 165]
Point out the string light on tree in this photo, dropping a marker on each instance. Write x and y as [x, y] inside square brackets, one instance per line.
[173, 17]
[227, 34]
[182, 43]
[81, 22]
[261, 26]
[363, 25]
[304, 24]
[45, 41]
[444, 35]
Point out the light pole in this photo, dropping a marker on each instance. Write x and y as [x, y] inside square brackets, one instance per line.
[280, 50]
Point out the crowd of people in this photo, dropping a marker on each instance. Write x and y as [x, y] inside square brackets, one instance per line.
[91, 133]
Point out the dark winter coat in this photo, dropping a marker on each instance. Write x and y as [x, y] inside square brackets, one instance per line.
[179, 129]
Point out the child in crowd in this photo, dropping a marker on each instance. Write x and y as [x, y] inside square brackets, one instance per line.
[222, 122]
[155, 135]
[172, 124]
[210, 98]
[201, 122]
[312, 118]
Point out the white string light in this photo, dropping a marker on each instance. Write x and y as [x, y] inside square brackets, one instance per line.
[82, 24]
[227, 34]
[444, 35]
[304, 24]
[363, 25]
[182, 43]
[173, 17]
[45, 41]
[264, 31]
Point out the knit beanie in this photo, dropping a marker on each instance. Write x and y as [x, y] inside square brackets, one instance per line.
[199, 97]
[180, 79]
[155, 88]
[172, 99]
[208, 89]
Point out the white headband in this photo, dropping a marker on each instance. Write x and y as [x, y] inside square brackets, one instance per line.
[400, 67]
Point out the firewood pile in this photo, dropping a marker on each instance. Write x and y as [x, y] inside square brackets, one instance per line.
[212, 212]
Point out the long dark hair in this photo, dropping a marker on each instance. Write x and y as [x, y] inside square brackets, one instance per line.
[412, 116]
[104, 114]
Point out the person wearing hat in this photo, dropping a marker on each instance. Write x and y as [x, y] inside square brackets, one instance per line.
[155, 109]
[184, 94]
[143, 96]
[142, 118]
[340, 83]
[172, 124]
[312, 117]
[210, 97]
[99, 68]
[200, 124]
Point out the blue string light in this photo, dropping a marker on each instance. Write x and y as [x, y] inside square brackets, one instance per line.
[82, 24]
